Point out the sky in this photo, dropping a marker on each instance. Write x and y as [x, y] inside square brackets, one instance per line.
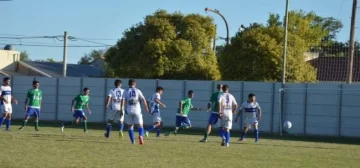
[104, 21]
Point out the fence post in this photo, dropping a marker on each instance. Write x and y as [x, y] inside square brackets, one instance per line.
[305, 108]
[242, 100]
[340, 110]
[57, 99]
[273, 107]
[105, 97]
[281, 106]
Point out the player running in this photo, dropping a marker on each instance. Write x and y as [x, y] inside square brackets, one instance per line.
[182, 120]
[5, 103]
[77, 106]
[155, 104]
[227, 107]
[133, 111]
[32, 105]
[252, 112]
[116, 97]
[213, 105]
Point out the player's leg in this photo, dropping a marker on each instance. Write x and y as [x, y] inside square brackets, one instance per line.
[227, 127]
[156, 123]
[111, 115]
[177, 126]
[2, 119]
[84, 117]
[29, 112]
[158, 130]
[256, 130]
[77, 115]
[138, 120]
[36, 118]
[129, 120]
[213, 119]
[121, 124]
[247, 125]
[8, 120]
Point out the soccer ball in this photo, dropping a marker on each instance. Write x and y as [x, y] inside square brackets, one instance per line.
[287, 124]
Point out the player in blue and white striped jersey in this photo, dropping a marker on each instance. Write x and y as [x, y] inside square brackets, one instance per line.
[155, 104]
[252, 113]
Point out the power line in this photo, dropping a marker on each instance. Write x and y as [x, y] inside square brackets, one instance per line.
[75, 39]
[40, 45]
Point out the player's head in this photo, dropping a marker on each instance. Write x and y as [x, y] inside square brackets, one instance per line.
[225, 88]
[252, 97]
[132, 83]
[159, 90]
[36, 84]
[6, 81]
[117, 83]
[219, 87]
[191, 94]
[86, 91]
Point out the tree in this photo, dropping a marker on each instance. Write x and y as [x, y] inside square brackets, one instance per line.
[51, 60]
[24, 56]
[90, 57]
[166, 46]
[255, 53]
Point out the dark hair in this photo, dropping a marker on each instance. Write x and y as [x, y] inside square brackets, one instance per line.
[225, 87]
[6, 79]
[132, 82]
[251, 95]
[86, 89]
[117, 82]
[218, 86]
[35, 82]
[159, 88]
[190, 92]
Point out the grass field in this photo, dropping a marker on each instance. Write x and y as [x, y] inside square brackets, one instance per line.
[73, 148]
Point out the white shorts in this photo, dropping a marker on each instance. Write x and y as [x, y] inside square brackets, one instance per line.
[156, 117]
[134, 118]
[116, 115]
[226, 122]
[248, 122]
[6, 108]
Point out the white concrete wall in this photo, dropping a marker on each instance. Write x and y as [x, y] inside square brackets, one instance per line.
[8, 60]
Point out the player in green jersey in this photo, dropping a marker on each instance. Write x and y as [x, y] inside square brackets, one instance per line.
[33, 105]
[77, 106]
[182, 120]
[213, 106]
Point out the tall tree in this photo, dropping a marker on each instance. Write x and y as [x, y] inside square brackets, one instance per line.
[90, 57]
[51, 60]
[24, 56]
[256, 52]
[166, 46]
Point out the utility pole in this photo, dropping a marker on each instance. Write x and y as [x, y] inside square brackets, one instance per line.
[214, 42]
[226, 24]
[65, 54]
[352, 43]
[283, 79]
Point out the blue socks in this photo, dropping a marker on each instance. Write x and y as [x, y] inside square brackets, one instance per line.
[108, 130]
[8, 123]
[1, 121]
[256, 135]
[121, 127]
[151, 128]
[243, 135]
[221, 133]
[132, 136]
[227, 137]
[158, 132]
[141, 131]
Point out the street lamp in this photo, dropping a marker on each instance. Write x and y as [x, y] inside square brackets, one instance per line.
[226, 24]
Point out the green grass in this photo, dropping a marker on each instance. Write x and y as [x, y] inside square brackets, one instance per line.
[51, 148]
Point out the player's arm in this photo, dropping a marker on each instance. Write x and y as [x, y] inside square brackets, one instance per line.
[259, 111]
[239, 113]
[87, 106]
[108, 99]
[1, 97]
[235, 106]
[73, 102]
[181, 102]
[40, 99]
[13, 99]
[28, 95]
[145, 101]
[159, 102]
[210, 102]
[220, 108]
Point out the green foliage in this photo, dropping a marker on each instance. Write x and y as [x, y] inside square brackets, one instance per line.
[166, 46]
[51, 60]
[255, 54]
[90, 57]
[24, 56]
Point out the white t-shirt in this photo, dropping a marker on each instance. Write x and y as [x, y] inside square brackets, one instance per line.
[132, 98]
[155, 107]
[250, 109]
[5, 92]
[227, 102]
[117, 95]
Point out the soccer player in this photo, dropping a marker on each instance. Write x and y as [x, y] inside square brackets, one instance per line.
[133, 113]
[5, 103]
[182, 120]
[77, 106]
[116, 97]
[227, 107]
[214, 115]
[252, 111]
[33, 105]
[155, 104]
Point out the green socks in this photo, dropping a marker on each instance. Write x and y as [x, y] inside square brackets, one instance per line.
[85, 126]
[24, 123]
[206, 135]
[36, 125]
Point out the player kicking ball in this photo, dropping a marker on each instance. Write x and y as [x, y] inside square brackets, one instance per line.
[5, 103]
[77, 106]
[133, 115]
[182, 120]
[116, 97]
[252, 112]
[33, 105]
[227, 107]
[155, 104]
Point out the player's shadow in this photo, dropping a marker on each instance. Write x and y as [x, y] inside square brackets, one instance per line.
[283, 145]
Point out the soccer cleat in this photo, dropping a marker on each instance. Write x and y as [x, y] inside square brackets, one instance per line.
[21, 128]
[141, 140]
[241, 140]
[146, 134]
[203, 140]
[227, 145]
[256, 141]
[106, 135]
[36, 130]
[121, 134]
[223, 142]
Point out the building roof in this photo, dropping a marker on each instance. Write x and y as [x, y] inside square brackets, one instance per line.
[335, 68]
[73, 70]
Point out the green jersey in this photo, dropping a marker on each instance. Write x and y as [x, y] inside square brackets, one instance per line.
[186, 106]
[34, 97]
[214, 100]
[81, 101]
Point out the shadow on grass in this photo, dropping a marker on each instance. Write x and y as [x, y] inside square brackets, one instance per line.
[235, 133]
